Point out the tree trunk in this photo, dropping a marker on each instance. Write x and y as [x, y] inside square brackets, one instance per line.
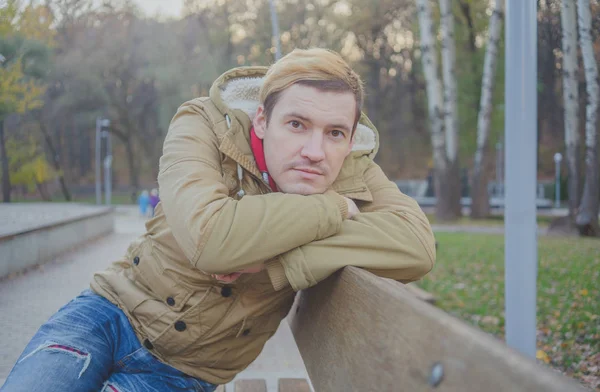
[5, 169]
[587, 217]
[42, 191]
[374, 100]
[434, 108]
[447, 180]
[55, 161]
[133, 169]
[568, 16]
[480, 207]
[450, 109]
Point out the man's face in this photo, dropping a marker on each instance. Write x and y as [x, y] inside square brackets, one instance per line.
[307, 139]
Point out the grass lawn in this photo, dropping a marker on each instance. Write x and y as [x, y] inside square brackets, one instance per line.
[468, 281]
[116, 198]
[494, 221]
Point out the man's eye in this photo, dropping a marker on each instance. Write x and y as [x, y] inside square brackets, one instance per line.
[295, 124]
[335, 133]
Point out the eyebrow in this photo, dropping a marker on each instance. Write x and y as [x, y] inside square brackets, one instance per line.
[304, 118]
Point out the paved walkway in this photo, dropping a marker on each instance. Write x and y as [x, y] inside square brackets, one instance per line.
[26, 301]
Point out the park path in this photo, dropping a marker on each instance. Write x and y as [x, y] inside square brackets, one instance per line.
[29, 299]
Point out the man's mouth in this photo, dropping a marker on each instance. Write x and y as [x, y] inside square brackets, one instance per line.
[309, 170]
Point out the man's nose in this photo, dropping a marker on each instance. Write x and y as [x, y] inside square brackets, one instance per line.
[313, 149]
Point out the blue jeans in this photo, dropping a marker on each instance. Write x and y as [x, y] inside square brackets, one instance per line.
[89, 345]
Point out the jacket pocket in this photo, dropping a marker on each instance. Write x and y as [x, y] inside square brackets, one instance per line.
[150, 272]
[173, 331]
[256, 325]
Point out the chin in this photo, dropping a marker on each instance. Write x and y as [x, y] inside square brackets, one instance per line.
[302, 189]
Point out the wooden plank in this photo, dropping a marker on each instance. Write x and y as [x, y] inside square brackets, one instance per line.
[359, 332]
[420, 293]
[250, 386]
[293, 385]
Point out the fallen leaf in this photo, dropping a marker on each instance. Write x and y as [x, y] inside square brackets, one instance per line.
[542, 356]
[490, 320]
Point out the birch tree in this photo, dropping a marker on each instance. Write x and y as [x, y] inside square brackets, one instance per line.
[443, 180]
[480, 206]
[450, 103]
[568, 16]
[587, 217]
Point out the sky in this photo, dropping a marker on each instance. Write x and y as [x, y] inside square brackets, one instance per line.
[167, 8]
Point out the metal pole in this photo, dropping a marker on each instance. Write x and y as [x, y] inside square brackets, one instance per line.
[557, 159]
[108, 169]
[521, 175]
[275, 27]
[502, 179]
[497, 189]
[98, 163]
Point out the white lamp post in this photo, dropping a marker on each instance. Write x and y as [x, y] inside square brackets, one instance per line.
[557, 160]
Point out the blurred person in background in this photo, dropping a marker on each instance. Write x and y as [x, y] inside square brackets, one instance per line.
[154, 199]
[143, 202]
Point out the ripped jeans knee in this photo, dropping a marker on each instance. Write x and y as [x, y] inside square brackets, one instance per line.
[53, 347]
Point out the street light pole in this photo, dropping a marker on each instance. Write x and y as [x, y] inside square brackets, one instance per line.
[98, 164]
[499, 184]
[557, 160]
[100, 124]
[275, 27]
[521, 175]
[108, 169]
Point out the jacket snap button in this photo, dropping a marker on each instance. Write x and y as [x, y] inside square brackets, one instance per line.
[136, 260]
[148, 344]
[246, 332]
[170, 301]
[226, 291]
[180, 326]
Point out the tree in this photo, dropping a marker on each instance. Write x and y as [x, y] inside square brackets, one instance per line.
[29, 166]
[450, 108]
[20, 71]
[480, 206]
[446, 179]
[587, 216]
[571, 101]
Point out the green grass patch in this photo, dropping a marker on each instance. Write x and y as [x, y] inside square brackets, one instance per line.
[115, 199]
[468, 282]
[492, 221]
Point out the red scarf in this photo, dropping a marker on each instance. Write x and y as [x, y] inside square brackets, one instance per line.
[259, 156]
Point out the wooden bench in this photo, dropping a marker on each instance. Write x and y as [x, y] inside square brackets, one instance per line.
[284, 385]
[358, 332]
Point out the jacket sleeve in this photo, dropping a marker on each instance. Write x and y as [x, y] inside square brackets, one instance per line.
[217, 233]
[391, 237]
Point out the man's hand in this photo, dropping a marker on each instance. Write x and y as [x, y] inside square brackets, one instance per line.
[229, 278]
[352, 208]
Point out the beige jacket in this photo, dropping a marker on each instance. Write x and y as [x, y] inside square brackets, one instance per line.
[217, 215]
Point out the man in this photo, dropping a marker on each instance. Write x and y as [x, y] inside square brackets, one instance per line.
[267, 187]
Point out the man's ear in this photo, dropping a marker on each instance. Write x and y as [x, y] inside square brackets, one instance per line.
[260, 122]
[351, 144]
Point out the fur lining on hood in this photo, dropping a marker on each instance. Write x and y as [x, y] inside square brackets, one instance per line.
[243, 94]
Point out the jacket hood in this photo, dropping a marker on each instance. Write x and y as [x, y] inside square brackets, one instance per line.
[239, 89]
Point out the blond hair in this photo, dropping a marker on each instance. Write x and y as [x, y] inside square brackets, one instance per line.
[322, 69]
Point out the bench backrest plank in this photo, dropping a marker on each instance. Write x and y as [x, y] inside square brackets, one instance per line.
[359, 332]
